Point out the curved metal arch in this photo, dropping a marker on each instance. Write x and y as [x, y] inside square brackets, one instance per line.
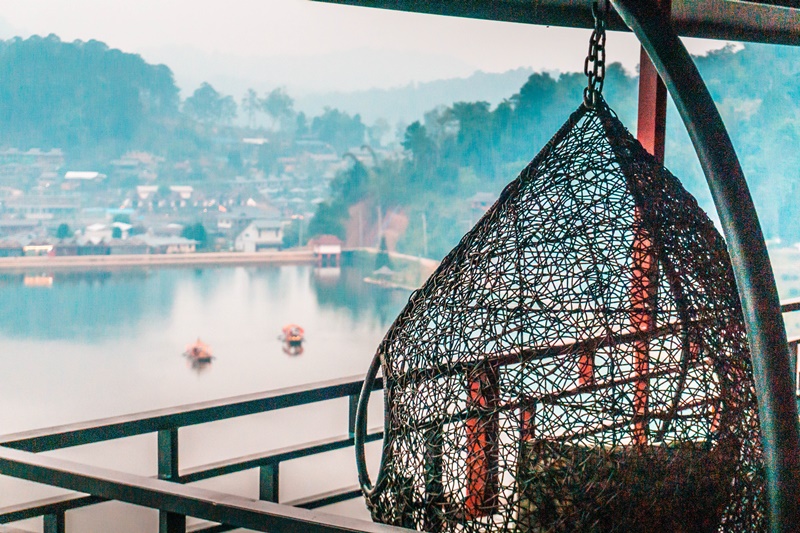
[780, 432]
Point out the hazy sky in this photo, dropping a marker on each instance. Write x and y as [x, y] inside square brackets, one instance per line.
[347, 47]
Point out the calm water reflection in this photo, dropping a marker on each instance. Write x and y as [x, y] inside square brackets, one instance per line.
[100, 344]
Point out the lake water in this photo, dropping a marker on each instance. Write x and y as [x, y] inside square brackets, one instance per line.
[100, 344]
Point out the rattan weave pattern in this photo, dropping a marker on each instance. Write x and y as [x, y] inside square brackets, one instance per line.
[578, 362]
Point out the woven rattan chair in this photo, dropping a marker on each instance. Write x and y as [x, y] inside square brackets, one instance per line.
[577, 363]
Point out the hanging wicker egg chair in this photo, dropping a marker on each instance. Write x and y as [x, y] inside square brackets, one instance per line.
[577, 363]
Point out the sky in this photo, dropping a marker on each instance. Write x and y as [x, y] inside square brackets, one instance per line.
[309, 46]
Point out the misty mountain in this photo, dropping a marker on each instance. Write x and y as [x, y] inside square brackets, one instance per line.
[408, 103]
[303, 74]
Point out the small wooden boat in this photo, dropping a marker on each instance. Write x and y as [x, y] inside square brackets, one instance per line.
[199, 352]
[293, 335]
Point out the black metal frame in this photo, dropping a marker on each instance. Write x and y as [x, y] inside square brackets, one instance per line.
[751, 265]
[732, 20]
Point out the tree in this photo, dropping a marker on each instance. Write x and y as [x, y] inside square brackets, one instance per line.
[339, 129]
[208, 106]
[279, 106]
[63, 231]
[251, 105]
[301, 125]
[227, 111]
[196, 232]
[378, 131]
[293, 233]
[82, 97]
[423, 151]
[329, 220]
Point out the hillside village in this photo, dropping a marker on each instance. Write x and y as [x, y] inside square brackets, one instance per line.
[100, 154]
[48, 208]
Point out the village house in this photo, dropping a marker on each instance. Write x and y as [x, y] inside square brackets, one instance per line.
[327, 250]
[260, 235]
[133, 246]
[168, 245]
[74, 179]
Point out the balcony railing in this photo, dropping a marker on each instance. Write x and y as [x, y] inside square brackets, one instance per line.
[168, 493]
[18, 458]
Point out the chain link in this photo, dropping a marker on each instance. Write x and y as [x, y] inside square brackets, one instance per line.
[594, 67]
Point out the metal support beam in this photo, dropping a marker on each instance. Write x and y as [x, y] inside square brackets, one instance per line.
[54, 523]
[269, 482]
[752, 269]
[709, 19]
[351, 419]
[168, 470]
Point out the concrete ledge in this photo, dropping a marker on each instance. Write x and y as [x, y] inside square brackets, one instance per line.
[47, 263]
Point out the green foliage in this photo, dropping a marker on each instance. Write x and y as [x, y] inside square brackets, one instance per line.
[196, 232]
[295, 234]
[330, 219]
[469, 147]
[210, 107]
[63, 231]
[339, 129]
[251, 105]
[122, 217]
[279, 106]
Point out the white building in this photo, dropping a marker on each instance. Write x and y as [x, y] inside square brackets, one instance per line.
[327, 250]
[168, 245]
[86, 177]
[260, 235]
[183, 191]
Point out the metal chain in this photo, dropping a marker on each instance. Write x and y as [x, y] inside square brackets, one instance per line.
[595, 64]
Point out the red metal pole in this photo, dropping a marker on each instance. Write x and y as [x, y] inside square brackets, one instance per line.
[586, 369]
[643, 296]
[483, 396]
[651, 129]
[652, 122]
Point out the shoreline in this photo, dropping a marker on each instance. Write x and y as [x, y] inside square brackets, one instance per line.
[60, 263]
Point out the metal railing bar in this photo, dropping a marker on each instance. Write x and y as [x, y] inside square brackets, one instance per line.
[181, 499]
[56, 504]
[326, 498]
[246, 462]
[40, 440]
[67, 502]
[791, 305]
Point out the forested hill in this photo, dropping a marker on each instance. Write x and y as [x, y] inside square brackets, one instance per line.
[75, 95]
[471, 147]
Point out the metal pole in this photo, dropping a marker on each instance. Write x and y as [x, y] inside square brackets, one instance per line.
[751, 266]
[652, 117]
[168, 469]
